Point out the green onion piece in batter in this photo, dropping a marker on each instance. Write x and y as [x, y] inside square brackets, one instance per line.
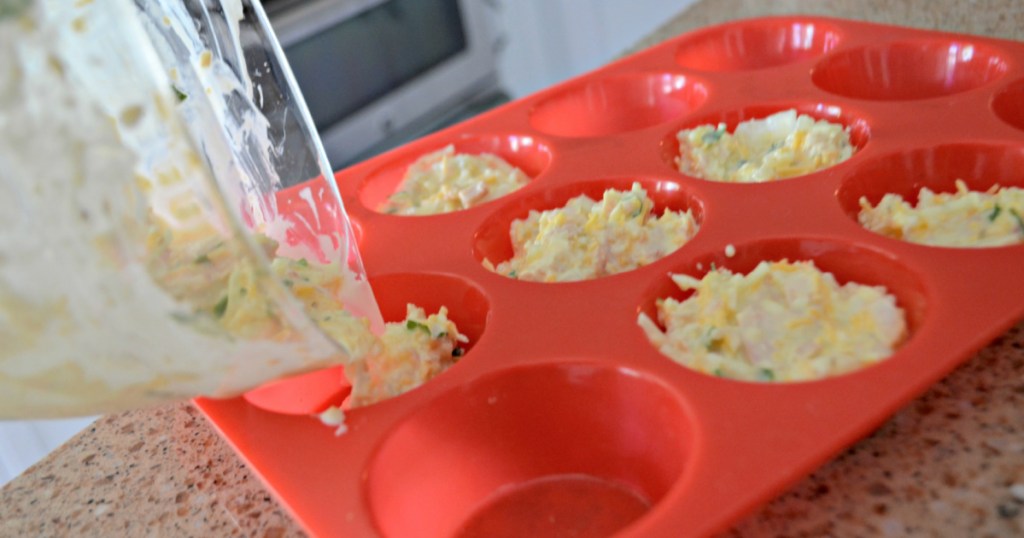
[221, 307]
[713, 136]
[179, 94]
[709, 339]
[995, 213]
[413, 325]
[1020, 222]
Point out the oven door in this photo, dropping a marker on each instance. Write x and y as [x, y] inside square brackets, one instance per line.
[374, 71]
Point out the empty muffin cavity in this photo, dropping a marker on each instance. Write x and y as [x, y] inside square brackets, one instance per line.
[516, 451]
[919, 69]
[1008, 104]
[616, 104]
[749, 45]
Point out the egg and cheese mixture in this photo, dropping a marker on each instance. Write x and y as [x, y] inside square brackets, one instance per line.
[783, 145]
[227, 289]
[589, 239]
[446, 181]
[408, 354]
[963, 218]
[784, 321]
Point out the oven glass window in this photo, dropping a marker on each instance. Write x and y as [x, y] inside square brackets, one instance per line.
[349, 65]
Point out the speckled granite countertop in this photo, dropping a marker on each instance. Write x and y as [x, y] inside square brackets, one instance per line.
[951, 463]
[1002, 19]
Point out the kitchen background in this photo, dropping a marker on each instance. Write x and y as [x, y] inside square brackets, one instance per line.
[520, 46]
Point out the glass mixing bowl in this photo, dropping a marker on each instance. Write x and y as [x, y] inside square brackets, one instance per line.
[169, 225]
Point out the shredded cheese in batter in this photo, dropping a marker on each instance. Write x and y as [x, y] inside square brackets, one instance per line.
[588, 239]
[446, 181]
[781, 146]
[963, 218]
[408, 354]
[784, 321]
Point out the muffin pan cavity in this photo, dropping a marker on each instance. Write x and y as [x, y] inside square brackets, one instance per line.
[526, 153]
[1008, 104]
[919, 69]
[467, 306]
[979, 165]
[492, 240]
[561, 416]
[526, 451]
[758, 45]
[848, 262]
[857, 126]
[617, 104]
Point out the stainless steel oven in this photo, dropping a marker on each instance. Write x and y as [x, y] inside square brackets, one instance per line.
[376, 73]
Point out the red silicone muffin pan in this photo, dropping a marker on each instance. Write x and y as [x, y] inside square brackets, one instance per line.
[562, 417]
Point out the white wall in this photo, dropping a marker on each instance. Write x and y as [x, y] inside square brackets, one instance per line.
[548, 41]
[22, 443]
